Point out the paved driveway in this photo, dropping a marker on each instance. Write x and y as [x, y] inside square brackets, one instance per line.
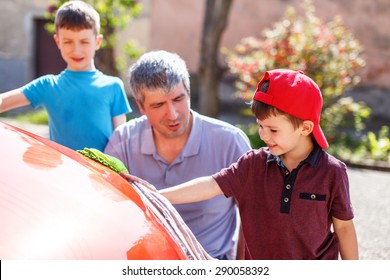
[370, 193]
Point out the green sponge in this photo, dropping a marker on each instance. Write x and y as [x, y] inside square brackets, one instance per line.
[105, 159]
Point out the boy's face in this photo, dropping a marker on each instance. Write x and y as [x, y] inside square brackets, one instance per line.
[168, 114]
[280, 135]
[78, 48]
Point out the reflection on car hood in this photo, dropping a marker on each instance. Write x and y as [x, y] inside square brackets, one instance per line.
[57, 204]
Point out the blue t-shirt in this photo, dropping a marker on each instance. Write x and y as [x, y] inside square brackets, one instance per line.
[211, 146]
[80, 106]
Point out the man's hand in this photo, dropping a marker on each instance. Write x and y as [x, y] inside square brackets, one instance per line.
[135, 179]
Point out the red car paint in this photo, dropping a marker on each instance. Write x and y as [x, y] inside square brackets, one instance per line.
[57, 204]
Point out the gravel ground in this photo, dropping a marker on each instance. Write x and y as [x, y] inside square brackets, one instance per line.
[41, 130]
[370, 194]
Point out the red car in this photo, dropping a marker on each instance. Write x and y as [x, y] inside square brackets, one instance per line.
[58, 204]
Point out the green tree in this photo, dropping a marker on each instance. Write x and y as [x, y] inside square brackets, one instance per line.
[114, 16]
[328, 53]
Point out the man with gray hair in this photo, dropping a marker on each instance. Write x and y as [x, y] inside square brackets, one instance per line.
[171, 144]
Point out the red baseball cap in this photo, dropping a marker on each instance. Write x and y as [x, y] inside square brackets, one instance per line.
[295, 94]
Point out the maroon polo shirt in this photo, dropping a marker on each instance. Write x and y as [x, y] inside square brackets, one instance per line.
[287, 215]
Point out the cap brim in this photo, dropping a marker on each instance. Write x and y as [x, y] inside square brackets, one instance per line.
[320, 137]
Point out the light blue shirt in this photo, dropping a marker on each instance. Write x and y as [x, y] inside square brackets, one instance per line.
[212, 145]
[80, 106]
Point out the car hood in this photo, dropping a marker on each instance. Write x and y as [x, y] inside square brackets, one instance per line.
[57, 204]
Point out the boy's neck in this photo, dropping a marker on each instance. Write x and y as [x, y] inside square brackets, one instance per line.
[292, 159]
[92, 68]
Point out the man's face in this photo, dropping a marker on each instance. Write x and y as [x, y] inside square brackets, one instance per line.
[169, 114]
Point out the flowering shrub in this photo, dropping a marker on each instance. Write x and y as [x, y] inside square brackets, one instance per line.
[328, 53]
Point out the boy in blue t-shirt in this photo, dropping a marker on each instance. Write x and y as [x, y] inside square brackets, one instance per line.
[84, 105]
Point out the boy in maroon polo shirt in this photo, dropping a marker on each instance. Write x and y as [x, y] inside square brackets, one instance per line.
[291, 193]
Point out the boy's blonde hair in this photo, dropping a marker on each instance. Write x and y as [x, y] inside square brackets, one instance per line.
[77, 15]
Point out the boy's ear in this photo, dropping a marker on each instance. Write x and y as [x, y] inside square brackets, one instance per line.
[99, 40]
[307, 127]
[56, 40]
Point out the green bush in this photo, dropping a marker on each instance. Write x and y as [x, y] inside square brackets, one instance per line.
[36, 117]
[328, 53]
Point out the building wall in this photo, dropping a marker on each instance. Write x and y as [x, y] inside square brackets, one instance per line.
[176, 25]
[17, 40]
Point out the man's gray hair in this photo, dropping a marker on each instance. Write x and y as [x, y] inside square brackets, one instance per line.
[158, 70]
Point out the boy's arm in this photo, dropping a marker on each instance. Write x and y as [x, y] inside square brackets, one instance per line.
[118, 120]
[345, 231]
[12, 99]
[198, 189]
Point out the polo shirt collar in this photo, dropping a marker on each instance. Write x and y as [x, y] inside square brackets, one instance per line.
[312, 159]
[147, 141]
[192, 146]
